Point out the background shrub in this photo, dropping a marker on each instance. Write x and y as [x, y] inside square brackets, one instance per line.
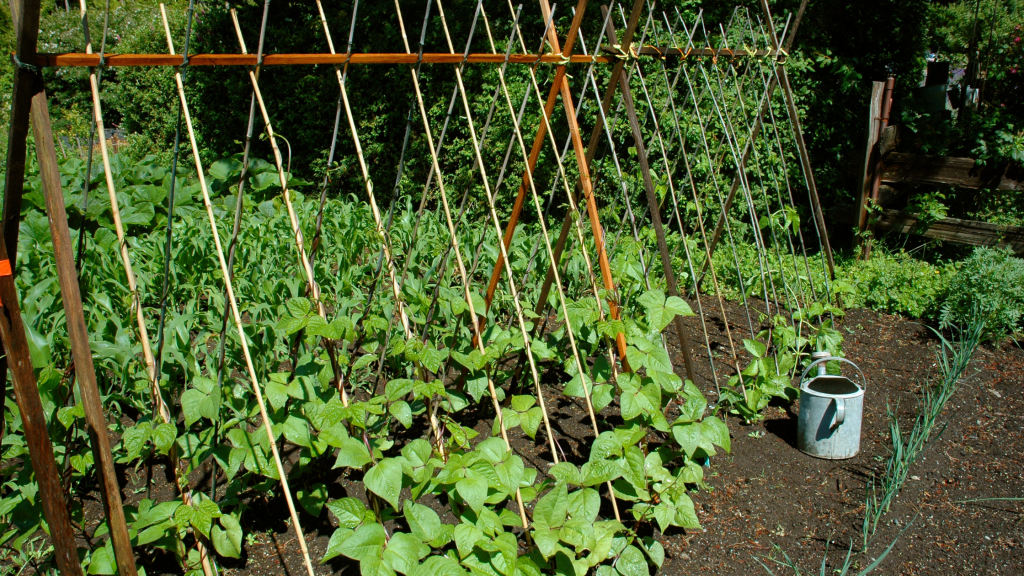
[990, 279]
[897, 283]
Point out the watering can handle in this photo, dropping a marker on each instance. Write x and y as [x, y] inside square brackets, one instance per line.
[840, 411]
[803, 376]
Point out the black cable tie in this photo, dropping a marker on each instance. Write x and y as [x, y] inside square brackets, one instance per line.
[24, 66]
[184, 61]
[348, 56]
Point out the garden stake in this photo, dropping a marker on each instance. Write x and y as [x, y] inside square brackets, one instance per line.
[96, 422]
[163, 412]
[234, 307]
[541, 305]
[547, 244]
[240, 196]
[798, 136]
[458, 256]
[170, 205]
[504, 253]
[733, 139]
[672, 191]
[584, 160]
[652, 201]
[147, 353]
[724, 209]
[438, 436]
[314, 289]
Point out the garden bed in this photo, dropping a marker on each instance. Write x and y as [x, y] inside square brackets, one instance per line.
[766, 494]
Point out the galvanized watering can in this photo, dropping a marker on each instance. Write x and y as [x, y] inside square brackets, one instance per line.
[831, 411]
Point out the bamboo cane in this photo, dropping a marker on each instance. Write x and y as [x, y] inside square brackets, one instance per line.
[163, 411]
[573, 207]
[126, 261]
[551, 254]
[458, 254]
[307, 267]
[378, 222]
[234, 305]
[504, 253]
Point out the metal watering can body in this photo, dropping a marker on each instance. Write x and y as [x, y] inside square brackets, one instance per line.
[831, 412]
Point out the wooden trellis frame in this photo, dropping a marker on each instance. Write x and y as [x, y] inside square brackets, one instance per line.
[30, 108]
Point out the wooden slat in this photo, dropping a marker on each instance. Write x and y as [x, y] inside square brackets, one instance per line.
[116, 60]
[970, 232]
[77, 59]
[950, 171]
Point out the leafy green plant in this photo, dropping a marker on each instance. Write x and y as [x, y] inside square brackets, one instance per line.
[771, 370]
[987, 283]
[897, 283]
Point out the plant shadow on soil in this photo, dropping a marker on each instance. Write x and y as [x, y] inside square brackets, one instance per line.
[765, 494]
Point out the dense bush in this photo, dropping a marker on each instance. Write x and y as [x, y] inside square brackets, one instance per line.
[989, 281]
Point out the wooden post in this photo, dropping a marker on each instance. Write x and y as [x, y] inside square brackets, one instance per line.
[877, 159]
[49, 173]
[538, 142]
[588, 188]
[655, 210]
[595, 135]
[25, 16]
[67, 277]
[33, 422]
[805, 159]
[874, 117]
[14, 178]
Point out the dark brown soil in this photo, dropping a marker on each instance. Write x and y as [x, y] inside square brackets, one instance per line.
[769, 499]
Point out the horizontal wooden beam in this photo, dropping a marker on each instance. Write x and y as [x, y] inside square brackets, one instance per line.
[949, 171]
[79, 59]
[970, 232]
[693, 52]
[75, 59]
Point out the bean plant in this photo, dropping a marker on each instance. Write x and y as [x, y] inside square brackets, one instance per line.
[656, 431]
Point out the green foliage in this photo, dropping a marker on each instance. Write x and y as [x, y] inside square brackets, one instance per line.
[651, 475]
[771, 370]
[897, 283]
[987, 283]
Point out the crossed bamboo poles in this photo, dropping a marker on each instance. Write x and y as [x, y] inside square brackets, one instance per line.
[304, 260]
[162, 410]
[254, 382]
